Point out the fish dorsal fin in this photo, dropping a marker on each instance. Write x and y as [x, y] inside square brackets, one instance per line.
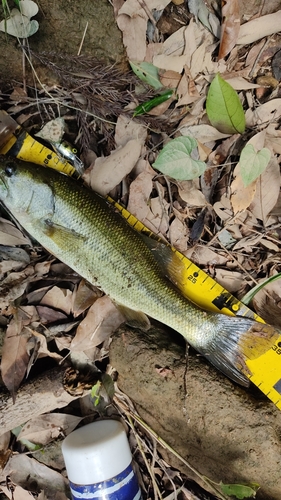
[136, 319]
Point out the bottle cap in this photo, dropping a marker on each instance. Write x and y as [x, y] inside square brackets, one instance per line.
[96, 452]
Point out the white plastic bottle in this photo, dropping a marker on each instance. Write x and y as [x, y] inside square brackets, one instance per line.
[98, 461]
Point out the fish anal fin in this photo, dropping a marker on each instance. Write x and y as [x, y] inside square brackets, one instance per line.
[136, 319]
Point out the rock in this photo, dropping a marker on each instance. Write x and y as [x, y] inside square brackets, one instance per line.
[226, 432]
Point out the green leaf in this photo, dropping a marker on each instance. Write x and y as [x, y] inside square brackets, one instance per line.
[175, 160]
[147, 72]
[250, 295]
[224, 108]
[239, 490]
[253, 163]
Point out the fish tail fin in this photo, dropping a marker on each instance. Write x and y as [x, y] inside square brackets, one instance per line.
[237, 341]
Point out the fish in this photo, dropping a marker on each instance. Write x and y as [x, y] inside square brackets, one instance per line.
[83, 230]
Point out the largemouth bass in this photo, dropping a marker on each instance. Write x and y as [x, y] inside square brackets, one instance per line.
[82, 230]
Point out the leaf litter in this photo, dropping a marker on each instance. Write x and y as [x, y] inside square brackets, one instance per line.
[225, 218]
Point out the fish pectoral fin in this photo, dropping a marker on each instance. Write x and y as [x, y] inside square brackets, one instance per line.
[238, 340]
[136, 319]
[60, 234]
[170, 263]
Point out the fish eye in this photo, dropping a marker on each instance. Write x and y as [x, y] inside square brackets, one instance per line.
[10, 169]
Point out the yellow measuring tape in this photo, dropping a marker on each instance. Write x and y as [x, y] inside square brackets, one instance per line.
[195, 284]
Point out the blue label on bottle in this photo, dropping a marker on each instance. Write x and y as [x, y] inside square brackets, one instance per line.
[124, 486]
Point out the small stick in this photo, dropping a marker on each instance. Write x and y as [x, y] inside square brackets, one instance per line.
[83, 38]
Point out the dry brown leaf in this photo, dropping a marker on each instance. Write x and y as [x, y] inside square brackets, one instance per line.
[102, 319]
[169, 62]
[178, 233]
[14, 355]
[58, 298]
[241, 196]
[230, 280]
[17, 493]
[205, 256]
[139, 196]
[42, 349]
[23, 471]
[267, 192]
[197, 64]
[230, 27]
[273, 138]
[259, 28]
[267, 302]
[240, 83]
[203, 133]
[187, 91]
[170, 79]
[189, 192]
[45, 428]
[132, 21]
[268, 112]
[49, 315]
[10, 235]
[223, 209]
[108, 172]
[83, 297]
[127, 129]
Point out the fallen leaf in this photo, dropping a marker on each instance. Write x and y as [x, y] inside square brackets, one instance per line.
[189, 192]
[45, 428]
[28, 8]
[230, 280]
[267, 192]
[108, 172]
[253, 163]
[241, 196]
[203, 133]
[259, 28]
[127, 129]
[26, 472]
[176, 161]
[240, 83]
[17, 493]
[230, 27]
[83, 297]
[10, 235]
[132, 21]
[224, 108]
[14, 355]
[268, 112]
[102, 319]
[19, 25]
[58, 298]
[178, 233]
[200, 10]
[267, 302]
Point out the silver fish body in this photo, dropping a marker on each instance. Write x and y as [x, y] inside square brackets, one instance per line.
[82, 230]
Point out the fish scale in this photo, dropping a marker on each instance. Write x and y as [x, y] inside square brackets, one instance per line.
[82, 230]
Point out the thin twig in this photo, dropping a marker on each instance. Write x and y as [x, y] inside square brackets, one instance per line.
[83, 38]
